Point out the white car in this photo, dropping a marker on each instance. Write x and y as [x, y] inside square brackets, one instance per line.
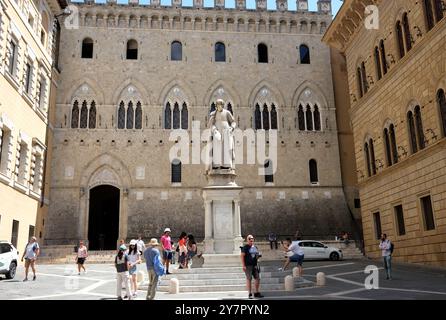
[8, 259]
[316, 250]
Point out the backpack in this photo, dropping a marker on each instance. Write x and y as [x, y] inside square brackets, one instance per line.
[158, 266]
[392, 247]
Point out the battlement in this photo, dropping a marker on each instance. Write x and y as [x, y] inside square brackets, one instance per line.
[323, 6]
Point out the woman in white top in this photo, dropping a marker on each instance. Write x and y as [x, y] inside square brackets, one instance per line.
[30, 254]
[81, 256]
[134, 259]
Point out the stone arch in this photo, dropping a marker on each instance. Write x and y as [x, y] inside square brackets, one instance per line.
[191, 98]
[272, 87]
[231, 92]
[145, 97]
[76, 86]
[316, 95]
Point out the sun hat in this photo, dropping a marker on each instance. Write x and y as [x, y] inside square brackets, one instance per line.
[153, 242]
[167, 230]
[123, 247]
[133, 242]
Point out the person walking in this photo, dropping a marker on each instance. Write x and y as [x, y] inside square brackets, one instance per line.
[386, 251]
[151, 255]
[140, 245]
[31, 252]
[122, 265]
[81, 256]
[166, 243]
[134, 259]
[249, 256]
[294, 253]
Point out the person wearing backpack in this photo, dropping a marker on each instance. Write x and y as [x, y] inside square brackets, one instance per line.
[155, 267]
[122, 265]
[30, 254]
[387, 249]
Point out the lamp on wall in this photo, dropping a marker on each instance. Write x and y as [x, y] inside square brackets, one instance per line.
[392, 59]
[434, 136]
[379, 163]
[419, 33]
[353, 97]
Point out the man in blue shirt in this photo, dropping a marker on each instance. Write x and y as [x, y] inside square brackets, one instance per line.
[149, 255]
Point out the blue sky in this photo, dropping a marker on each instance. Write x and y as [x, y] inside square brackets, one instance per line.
[250, 4]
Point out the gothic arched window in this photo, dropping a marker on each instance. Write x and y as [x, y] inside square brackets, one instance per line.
[317, 119]
[441, 100]
[212, 108]
[372, 156]
[383, 56]
[176, 51]
[121, 115]
[220, 52]
[304, 54]
[309, 118]
[138, 116]
[265, 115]
[393, 143]
[378, 63]
[313, 171]
[75, 115]
[400, 39]
[176, 116]
[229, 108]
[419, 125]
[184, 117]
[257, 117]
[273, 117]
[387, 147]
[132, 50]
[407, 35]
[412, 135]
[301, 118]
[130, 116]
[429, 13]
[176, 171]
[365, 85]
[262, 53]
[84, 115]
[92, 116]
[359, 80]
[167, 117]
[367, 159]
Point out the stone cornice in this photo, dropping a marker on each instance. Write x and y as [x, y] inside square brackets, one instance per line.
[347, 23]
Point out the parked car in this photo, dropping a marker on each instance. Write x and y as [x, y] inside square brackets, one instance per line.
[8, 259]
[314, 250]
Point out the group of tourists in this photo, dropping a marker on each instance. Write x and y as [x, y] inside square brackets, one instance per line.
[186, 249]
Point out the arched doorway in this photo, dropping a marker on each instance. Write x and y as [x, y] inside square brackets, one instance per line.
[103, 220]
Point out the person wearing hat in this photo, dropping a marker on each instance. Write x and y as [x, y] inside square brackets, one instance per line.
[81, 256]
[166, 242]
[134, 259]
[122, 265]
[149, 255]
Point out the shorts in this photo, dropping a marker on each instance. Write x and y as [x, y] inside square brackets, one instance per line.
[80, 260]
[191, 254]
[252, 271]
[299, 258]
[132, 270]
[167, 255]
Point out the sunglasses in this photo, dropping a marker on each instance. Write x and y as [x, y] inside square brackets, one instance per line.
[249, 239]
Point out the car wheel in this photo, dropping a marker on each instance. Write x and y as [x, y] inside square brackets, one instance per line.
[334, 256]
[11, 272]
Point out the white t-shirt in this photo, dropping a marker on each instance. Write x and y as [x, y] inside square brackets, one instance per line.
[133, 258]
[140, 246]
[296, 249]
[31, 249]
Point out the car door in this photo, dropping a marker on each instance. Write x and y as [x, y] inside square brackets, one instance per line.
[5, 256]
[319, 250]
[308, 249]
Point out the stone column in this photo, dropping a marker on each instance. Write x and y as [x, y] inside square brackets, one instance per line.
[208, 234]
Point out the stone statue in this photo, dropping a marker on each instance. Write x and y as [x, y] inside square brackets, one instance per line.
[222, 125]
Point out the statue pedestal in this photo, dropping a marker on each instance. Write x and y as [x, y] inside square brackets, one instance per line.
[222, 219]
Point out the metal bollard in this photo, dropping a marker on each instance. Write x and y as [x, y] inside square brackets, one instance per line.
[289, 283]
[320, 279]
[174, 286]
[296, 273]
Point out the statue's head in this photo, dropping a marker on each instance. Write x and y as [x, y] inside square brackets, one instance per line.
[219, 104]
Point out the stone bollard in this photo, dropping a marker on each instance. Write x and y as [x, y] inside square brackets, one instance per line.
[174, 286]
[320, 279]
[296, 273]
[289, 283]
[139, 277]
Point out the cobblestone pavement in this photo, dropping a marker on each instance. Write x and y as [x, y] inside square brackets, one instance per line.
[344, 280]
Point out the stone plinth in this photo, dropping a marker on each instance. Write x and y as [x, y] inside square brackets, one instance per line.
[222, 219]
